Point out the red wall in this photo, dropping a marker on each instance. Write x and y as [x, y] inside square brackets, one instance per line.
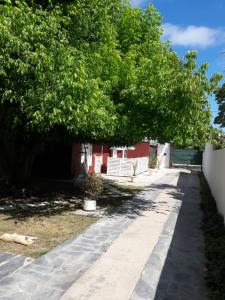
[141, 150]
[106, 153]
[99, 150]
[119, 153]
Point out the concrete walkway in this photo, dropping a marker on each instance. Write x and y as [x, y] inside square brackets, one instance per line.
[175, 269]
[182, 276]
[140, 251]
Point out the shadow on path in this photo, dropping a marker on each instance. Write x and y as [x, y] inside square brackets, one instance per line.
[182, 276]
[145, 200]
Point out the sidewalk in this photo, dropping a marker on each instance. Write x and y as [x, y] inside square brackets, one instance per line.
[175, 269]
[124, 255]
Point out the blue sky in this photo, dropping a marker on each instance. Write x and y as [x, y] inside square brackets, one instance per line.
[195, 25]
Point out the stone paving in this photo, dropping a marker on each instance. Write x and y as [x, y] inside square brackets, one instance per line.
[52, 274]
[10, 263]
[177, 274]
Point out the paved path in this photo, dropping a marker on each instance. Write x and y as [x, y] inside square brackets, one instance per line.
[182, 277]
[177, 274]
[124, 255]
[9, 264]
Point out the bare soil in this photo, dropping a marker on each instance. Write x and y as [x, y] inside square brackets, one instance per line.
[50, 231]
[44, 209]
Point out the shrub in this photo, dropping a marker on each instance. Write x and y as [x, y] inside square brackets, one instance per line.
[90, 185]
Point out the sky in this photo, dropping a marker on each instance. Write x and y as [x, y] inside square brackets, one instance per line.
[195, 25]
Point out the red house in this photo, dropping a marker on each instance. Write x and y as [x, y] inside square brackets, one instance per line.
[119, 161]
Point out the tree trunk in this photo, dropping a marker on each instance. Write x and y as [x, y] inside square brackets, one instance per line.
[16, 159]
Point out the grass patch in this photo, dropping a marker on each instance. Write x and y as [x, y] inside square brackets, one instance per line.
[50, 231]
[214, 231]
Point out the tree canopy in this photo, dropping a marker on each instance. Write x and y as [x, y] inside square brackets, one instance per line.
[220, 98]
[97, 70]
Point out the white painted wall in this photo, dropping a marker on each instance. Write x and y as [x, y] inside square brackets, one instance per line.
[163, 156]
[213, 167]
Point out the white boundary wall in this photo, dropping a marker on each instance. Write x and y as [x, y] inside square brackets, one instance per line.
[213, 167]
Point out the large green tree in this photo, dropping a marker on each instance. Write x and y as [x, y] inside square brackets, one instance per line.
[163, 97]
[47, 85]
[92, 70]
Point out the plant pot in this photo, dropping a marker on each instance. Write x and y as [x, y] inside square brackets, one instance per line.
[89, 205]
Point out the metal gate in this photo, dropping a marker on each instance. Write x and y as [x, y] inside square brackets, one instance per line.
[185, 157]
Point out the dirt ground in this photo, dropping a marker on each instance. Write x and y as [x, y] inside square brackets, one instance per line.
[50, 231]
[45, 209]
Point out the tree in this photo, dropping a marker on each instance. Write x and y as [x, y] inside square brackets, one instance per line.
[217, 138]
[92, 70]
[46, 86]
[161, 96]
[220, 98]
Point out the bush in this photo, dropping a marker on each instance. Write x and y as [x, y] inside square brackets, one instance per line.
[90, 185]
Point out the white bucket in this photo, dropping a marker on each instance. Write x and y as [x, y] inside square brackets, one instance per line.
[89, 205]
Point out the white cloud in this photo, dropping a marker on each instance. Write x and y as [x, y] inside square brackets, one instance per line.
[193, 36]
[137, 3]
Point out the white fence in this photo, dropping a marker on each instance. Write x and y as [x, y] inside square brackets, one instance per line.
[126, 166]
[214, 170]
[142, 164]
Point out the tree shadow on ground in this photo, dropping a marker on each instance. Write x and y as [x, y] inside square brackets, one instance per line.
[45, 197]
[41, 197]
[145, 201]
[51, 197]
